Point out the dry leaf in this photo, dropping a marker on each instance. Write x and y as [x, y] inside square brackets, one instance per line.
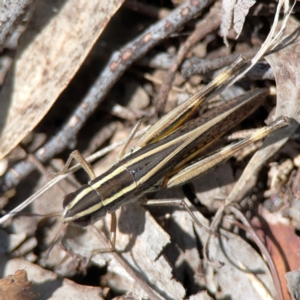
[48, 285]
[234, 13]
[57, 41]
[241, 10]
[232, 251]
[293, 282]
[16, 287]
[283, 244]
[140, 241]
[227, 13]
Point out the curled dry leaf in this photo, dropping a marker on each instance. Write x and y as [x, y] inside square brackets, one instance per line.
[47, 285]
[283, 245]
[16, 287]
[59, 38]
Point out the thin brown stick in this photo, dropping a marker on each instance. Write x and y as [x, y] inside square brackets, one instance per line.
[210, 23]
[196, 65]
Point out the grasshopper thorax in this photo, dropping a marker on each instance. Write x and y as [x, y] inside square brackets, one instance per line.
[83, 207]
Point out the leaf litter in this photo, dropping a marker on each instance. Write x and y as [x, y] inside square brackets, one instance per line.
[161, 254]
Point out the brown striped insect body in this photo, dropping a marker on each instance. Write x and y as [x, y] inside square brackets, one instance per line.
[168, 147]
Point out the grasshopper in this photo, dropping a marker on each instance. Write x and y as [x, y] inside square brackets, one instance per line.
[167, 154]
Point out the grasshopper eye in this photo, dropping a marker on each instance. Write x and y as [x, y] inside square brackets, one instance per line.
[68, 199]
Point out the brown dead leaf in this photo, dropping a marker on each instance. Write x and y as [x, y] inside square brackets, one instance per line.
[283, 245]
[16, 287]
[48, 285]
[57, 41]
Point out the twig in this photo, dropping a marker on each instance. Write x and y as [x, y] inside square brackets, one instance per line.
[119, 62]
[210, 23]
[198, 65]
